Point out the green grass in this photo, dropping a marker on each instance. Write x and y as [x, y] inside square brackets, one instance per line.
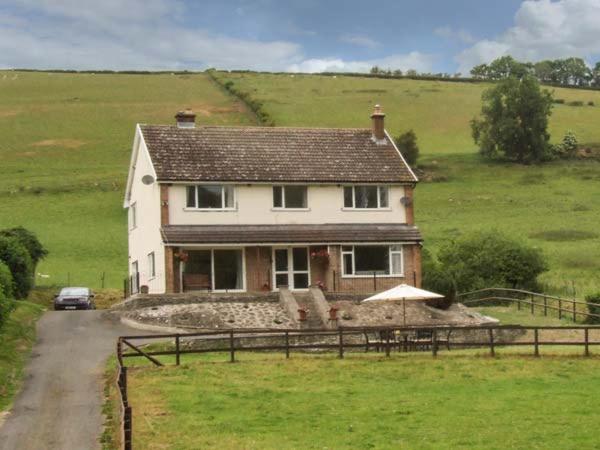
[510, 315]
[65, 149]
[368, 401]
[552, 206]
[17, 336]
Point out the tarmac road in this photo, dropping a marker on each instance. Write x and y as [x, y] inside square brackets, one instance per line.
[60, 405]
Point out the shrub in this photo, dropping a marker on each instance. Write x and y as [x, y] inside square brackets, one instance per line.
[591, 103]
[17, 258]
[567, 148]
[407, 144]
[491, 259]
[575, 103]
[435, 279]
[6, 292]
[592, 308]
[560, 101]
[29, 240]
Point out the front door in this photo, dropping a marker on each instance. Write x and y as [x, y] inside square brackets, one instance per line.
[291, 267]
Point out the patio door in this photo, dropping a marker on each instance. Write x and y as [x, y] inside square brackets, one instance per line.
[291, 267]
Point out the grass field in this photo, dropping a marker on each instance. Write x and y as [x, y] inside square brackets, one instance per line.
[16, 337]
[553, 206]
[368, 402]
[65, 149]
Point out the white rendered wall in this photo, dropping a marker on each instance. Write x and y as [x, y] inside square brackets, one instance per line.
[254, 205]
[145, 237]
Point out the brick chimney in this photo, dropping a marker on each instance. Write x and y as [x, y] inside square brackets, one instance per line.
[378, 125]
[186, 119]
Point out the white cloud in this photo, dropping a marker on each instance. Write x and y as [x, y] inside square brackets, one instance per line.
[86, 34]
[414, 60]
[359, 40]
[461, 35]
[543, 29]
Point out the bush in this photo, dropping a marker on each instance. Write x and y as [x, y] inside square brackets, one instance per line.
[29, 240]
[575, 103]
[407, 144]
[435, 279]
[592, 308]
[18, 260]
[559, 101]
[591, 103]
[491, 259]
[6, 292]
[567, 148]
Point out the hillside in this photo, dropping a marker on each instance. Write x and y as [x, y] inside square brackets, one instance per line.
[553, 206]
[65, 148]
[66, 142]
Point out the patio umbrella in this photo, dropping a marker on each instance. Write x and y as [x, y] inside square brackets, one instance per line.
[402, 292]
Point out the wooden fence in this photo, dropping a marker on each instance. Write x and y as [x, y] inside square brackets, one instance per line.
[544, 303]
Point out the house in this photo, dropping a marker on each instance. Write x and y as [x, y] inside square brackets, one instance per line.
[247, 209]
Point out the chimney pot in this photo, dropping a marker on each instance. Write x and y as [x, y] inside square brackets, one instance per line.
[186, 119]
[378, 124]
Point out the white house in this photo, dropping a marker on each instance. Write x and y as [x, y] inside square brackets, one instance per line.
[252, 208]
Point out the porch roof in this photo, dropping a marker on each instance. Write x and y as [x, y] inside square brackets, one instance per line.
[289, 233]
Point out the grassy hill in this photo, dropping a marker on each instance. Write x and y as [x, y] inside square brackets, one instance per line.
[66, 141]
[553, 206]
[65, 148]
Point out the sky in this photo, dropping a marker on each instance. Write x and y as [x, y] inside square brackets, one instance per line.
[293, 35]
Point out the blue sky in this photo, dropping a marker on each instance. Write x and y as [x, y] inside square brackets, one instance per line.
[293, 35]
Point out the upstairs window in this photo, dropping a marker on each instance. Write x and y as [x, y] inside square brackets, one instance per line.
[210, 196]
[366, 197]
[289, 197]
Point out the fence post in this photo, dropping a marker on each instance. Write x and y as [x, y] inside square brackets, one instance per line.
[518, 304]
[587, 341]
[532, 304]
[334, 281]
[374, 281]
[545, 305]
[287, 344]
[434, 344]
[536, 341]
[574, 311]
[128, 428]
[387, 342]
[559, 309]
[492, 350]
[124, 288]
[341, 341]
[177, 356]
[231, 347]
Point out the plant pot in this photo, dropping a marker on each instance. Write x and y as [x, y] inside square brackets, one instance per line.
[333, 313]
[302, 313]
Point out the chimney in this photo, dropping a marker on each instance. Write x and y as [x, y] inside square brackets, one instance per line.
[378, 126]
[186, 119]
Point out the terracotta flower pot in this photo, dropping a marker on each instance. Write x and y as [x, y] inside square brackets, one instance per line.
[333, 313]
[302, 313]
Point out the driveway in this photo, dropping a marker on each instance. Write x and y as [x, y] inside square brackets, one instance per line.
[60, 405]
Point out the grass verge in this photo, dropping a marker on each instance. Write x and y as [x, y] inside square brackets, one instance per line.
[16, 337]
[111, 435]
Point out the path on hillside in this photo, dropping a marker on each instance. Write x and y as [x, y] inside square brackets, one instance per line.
[60, 405]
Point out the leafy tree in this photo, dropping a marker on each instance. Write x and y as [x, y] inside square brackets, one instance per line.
[411, 73]
[407, 144]
[18, 260]
[491, 259]
[596, 75]
[506, 67]
[480, 71]
[375, 70]
[29, 240]
[514, 122]
[6, 280]
[436, 279]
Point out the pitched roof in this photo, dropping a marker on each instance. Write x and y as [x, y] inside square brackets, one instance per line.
[273, 234]
[273, 154]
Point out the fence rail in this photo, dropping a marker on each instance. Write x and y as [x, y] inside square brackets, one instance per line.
[528, 298]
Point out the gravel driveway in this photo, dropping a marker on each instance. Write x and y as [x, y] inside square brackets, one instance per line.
[60, 404]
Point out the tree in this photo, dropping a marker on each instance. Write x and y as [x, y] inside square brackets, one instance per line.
[435, 279]
[17, 258]
[506, 67]
[29, 240]
[481, 71]
[491, 259]
[6, 292]
[514, 122]
[407, 144]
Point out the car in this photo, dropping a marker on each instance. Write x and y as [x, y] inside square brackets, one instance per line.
[74, 298]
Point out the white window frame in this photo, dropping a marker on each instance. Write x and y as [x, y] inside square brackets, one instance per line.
[283, 206]
[291, 271]
[355, 208]
[391, 252]
[133, 216]
[222, 208]
[151, 265]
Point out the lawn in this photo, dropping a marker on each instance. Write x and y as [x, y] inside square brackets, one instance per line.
[552, 206]
[17, 336]
[65, 149]
[368, 401]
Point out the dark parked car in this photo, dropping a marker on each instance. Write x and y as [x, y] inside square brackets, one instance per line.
[74, 298]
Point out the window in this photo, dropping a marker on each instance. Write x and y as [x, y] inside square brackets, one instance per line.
[132, 216]
[289, 197]
[210, 196]
[366, 260]
[151, 265]
[371, 197]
